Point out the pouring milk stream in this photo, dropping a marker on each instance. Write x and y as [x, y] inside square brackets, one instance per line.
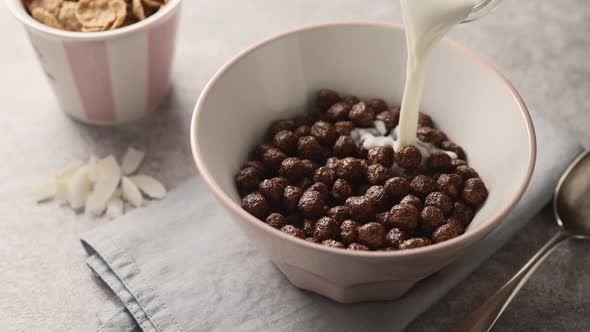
[426, 23]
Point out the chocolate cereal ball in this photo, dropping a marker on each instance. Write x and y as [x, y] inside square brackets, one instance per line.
[450, 146]
[311, 239]
[304, 183]
[463, 213]
[272, 158]
[445, 232]
[362, 115]
[341, 190]
[308, 147]
[430, 218]
[422, 185]
[357, 246]
[371, 235]
[324, 132]
[344, 128]
[326, 98]
[326, 228]
[273, 189]
[362, 208]
[450, 184]
[403, 216]
[311, 204]
[351, 100]
[322, 189]
[303, 130]
[339, 213]
[286, 141]
[344, 147]
[397, 186]
[408, 157]
[295, 220]
[276, 220]
[474, 191]
[349, 231]
[466, 172]
[306, 118]
[310, 167]
[361, 152]
[350, 169]
[412, 200]
[291, 197]
[309, 227]
[247, 179]
[255, 164]
[378, 105]
[458, 162]
[293, 231]
[333, 243]
[261, 149]
[379, 196]
[325, 175]
[457, 224]
[381, 155]
[395, 237]
[415, 242]
[377, 174]
[430, 135]
[440, 161]
[292, 169]
[280, 125]
[439, 200]
[332, 162]
[390, 118]
[256, 204]
[382, 218]
[424, 120]
[338, 112]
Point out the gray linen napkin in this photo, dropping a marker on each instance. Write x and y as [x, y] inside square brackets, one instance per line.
[182, 265]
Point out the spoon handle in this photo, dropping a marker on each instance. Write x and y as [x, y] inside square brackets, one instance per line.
[484, 317]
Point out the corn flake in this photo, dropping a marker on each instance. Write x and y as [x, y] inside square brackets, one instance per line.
[67, 16]
[95, 14]
[50, 6]
[119, 7]
[46, 18]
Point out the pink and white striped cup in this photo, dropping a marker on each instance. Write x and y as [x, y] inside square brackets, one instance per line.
[108, 77]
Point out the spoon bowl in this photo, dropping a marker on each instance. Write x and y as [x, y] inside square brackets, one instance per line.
[571, 203]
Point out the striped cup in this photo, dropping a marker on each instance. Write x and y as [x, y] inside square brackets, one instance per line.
[108, 77]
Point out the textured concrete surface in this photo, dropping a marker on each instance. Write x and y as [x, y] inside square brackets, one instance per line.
[542, 47]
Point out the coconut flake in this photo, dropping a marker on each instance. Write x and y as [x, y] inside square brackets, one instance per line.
[108, 175]
[78, 188]
[131, 160]
[149, 186]
[131, 192]
[114, 208]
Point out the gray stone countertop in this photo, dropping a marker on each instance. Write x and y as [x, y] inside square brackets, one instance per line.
[543, 47]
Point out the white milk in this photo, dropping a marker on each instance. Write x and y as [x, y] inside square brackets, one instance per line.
[426, 22]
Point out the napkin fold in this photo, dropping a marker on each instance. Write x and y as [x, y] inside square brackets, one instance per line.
[182, 265]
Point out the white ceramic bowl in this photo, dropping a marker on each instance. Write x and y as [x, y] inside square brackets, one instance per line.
[278, 78]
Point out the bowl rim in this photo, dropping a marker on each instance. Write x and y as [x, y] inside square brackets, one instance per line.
[18, 10]
[459, 241]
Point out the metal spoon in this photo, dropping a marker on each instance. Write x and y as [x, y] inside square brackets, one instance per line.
[571, 206]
